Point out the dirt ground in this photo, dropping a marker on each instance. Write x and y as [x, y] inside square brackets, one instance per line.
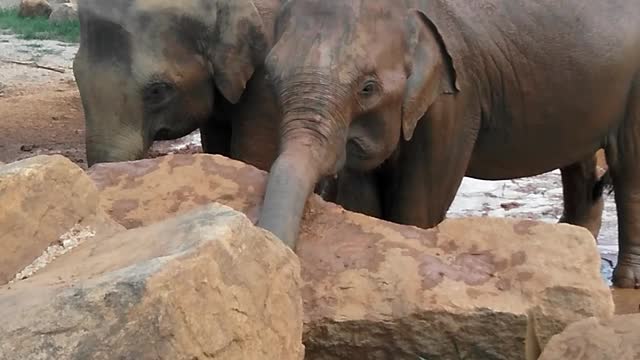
[40, 108]
[41, 113]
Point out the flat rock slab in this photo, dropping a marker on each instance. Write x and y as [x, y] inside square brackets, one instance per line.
[203, 285]
[475, 288]
[41, 198]
[616, 338]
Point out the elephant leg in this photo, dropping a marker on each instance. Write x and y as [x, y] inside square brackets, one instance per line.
[582, 190]
[216, 137]
[358, 192]
[623, 158]
[419, 184]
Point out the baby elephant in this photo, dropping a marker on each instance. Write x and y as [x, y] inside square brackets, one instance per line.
[420, 93]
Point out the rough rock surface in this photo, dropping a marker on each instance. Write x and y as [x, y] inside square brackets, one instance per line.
[34, 8]
[41, 198]
[616, 338]
[377, 290]
[63, 12]
[627, 301]
[498, 291]
[206, 284]
[143, 192]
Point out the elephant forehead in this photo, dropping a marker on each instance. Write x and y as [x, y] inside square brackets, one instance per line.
[135, 15]
[103, 42]
[342, 37]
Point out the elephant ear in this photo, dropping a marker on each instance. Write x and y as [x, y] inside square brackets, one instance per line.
[237, 46]
[431, 71]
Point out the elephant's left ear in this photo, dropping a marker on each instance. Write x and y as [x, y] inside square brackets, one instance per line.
[431, 70]
[237, 46]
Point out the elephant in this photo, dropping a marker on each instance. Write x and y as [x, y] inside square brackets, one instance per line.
[415, 94]
[157, 70]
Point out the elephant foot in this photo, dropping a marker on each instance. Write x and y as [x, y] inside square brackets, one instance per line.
[627, 272]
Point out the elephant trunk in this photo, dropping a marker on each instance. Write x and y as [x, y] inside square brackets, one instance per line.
[312, 147]
[291, 181]
[103, 145]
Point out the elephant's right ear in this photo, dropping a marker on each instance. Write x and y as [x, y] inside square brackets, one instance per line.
[430, 67]
[236, 47]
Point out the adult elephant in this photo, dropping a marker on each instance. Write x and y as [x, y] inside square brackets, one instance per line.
[421, 92]
[154, 70]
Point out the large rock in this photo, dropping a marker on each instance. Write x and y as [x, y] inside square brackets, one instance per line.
[138, 193]
[617, 338]
[63, 13]
[471, 288]
[41, 198]
[206, 284]
[475, 288]
[34, 8]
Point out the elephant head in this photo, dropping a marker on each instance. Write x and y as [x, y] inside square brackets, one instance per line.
[353, 79]
[151, 69]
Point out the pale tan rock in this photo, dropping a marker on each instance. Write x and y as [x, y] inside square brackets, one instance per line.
[627, 300]
[206, 284]
[64, 12]
[143, 192]
[476, 288]
[34, 8]
[616, 338]
[41, 198]
[601, 163]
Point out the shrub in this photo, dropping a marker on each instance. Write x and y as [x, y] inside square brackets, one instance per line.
[39, 28]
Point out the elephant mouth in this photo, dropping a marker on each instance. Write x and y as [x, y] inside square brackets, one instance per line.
[357, 149]
[361, 155]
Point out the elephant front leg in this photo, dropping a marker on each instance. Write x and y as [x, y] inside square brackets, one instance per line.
[583, 187]
[421, 182]
[624, 163]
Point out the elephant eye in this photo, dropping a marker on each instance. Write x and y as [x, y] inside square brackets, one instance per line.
[158, 94]
[368, 88]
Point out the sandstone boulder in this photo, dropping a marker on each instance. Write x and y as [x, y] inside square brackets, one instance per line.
[206, 284]
[616, 338]
[63, 13]
[627, 300]
[41, 198]
[476, 288]
[34, 8]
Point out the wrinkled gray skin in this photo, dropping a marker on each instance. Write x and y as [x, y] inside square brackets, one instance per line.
[160, 69]
[413, 95]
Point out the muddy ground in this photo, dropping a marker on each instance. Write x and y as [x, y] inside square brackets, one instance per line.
[41, 113]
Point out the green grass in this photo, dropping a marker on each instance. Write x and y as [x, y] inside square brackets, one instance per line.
[39, 28]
